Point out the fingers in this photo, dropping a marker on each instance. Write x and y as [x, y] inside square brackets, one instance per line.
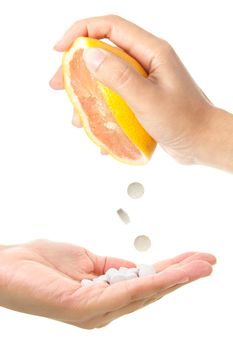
[117, 263]
[103, 152]
[169, 278]
[125, 297]
[56, 82]
[211, 259]
[184, 259]
[163, 293]
[118, 75]
[119, 31]
[123, 293]
[193, 270]
[168, 262]
[103, 263]
[196, 269]
[171, 270]
[76, 120]
[123, 33]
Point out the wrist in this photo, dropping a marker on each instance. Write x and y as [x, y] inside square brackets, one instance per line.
[214, 145]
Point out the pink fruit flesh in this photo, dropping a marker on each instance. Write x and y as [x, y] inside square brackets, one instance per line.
[100, 119]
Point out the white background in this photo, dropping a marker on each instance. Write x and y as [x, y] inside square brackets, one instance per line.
[54, 184]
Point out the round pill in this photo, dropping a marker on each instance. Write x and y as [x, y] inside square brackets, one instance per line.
[110, 272]
[142, 243]
[135, 190]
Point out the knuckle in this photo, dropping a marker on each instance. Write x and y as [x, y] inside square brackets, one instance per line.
[76, 122]
[102, 325]
[166, 48]
[114, 18]
[123, 76]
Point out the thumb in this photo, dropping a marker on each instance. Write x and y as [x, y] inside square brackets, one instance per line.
[118, 75]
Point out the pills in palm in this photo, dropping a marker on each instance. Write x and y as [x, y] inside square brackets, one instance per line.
[114, 275]
[146, 270]
[86, 283]
[117, 277]
[100, 279]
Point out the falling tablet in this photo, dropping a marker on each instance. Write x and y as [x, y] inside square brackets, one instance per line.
[135, 190]
[123, 216]
[142, 243]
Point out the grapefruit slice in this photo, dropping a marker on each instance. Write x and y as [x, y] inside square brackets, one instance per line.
[105, 116]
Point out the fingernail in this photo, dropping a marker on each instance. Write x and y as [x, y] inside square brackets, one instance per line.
[54, 84]
[94, 57]
[51, 82]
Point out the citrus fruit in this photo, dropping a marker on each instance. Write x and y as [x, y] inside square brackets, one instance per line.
[105, 116]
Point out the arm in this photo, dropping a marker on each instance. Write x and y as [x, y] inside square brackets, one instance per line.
[216, 141]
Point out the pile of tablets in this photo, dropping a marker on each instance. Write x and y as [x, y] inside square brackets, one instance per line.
[113, 275]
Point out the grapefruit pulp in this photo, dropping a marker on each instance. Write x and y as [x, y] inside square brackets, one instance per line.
[105, 116]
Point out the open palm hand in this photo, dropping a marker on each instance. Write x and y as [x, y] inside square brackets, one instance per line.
[43, 278]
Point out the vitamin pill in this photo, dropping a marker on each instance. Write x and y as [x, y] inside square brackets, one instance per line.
[142, 243]
[110, 272]
[134, 269]
[135, 190]
[123, 216]
[123, 269]
[146, 270]
[99, 279]
[130, 275]
[117, 277]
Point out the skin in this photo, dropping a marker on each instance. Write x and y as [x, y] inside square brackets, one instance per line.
[173, 110]
[43, 278]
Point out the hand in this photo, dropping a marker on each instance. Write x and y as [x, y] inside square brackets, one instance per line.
[171, 107]
[43, 278]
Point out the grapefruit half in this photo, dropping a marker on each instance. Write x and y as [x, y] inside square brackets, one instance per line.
[105, 116]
